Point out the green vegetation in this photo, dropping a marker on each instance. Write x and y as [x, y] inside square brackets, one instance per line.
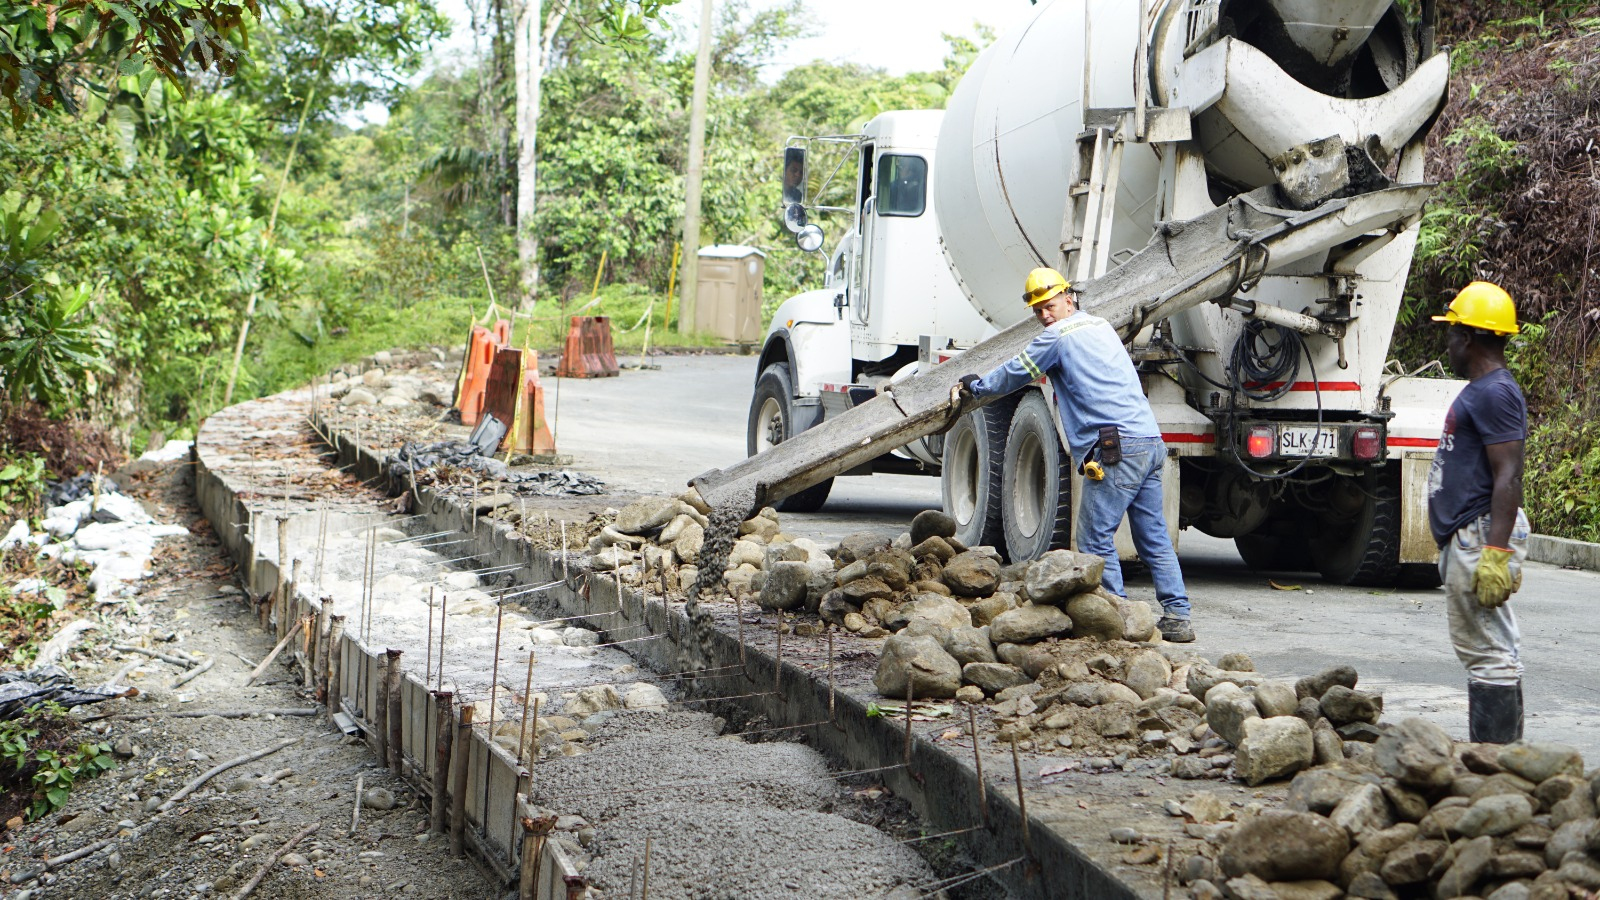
[40, 764]
[142, 217]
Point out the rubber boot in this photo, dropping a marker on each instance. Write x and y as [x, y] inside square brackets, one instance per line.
[1494, 712]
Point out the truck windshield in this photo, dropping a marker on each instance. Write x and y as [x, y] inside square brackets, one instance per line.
[902, 185]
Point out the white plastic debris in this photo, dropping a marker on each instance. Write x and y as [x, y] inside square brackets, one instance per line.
[15, 537]
[171, 450]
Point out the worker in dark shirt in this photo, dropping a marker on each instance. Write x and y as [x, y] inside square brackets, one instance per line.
[1474, 509]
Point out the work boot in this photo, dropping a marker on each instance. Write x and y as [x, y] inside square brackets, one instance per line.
[1176, 630]
[1494, 712]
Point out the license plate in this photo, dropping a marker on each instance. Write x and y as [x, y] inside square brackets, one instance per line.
[1308, 441]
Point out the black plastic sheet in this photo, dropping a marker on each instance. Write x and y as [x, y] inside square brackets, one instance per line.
[416, 458]
[21, 690]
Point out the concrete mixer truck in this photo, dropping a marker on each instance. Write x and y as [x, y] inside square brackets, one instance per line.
[1234, 184]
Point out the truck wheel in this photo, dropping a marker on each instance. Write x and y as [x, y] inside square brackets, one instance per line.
[1036, 489]
[1364, 548]
[1276, 547]
[772, 421]
[970, 480]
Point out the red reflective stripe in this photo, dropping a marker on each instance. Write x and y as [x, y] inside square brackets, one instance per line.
[1413, 442]
[1181, 438]
[1329, 386]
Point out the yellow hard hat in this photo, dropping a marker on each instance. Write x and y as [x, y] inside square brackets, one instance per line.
[1042, 284]
[1482, 305]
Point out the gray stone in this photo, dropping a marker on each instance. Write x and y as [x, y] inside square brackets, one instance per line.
[1539, 761]
[861, 545]
[1472, 860]
[1138, 619]
[1576, 806]
[1326, 742]
[1146, 673]
[1315, 686]
[969, 645]
[1370, 886]
[1227, 710]
[785, 587]
[1113, 720]
[378, 798]
[1273, 748]
[1418, 753]
[1320, 790]
[863, 590]
[984, 610]
[1411, 862]
[931, 523]
[1581, 871]
[972, 574]
[1362, 810]
[590, 700]
[1306, 890]
[920, 663]
[644, 696]
[1028, 624]
[1095, 618]
[993, 677]
[1364, 732]
[852, 572]
[1284, 846]
[1496, 815]
[1275, 698]
[1557, 788]
[1191, 767]
[688, 544]
[1515, 890]
[890, 568]
[1203, 677]
[1409, 806]
[1344, 706]
[1378, 843]
[1309, 709]
[644, 516]
[936, 547]
[573, 636]
[359, 397]
[1236, 662]
[835, 607]
[1516, 864]
[1060, 575]
[937, 609]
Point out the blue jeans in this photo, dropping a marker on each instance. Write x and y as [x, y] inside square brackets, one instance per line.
[1133, 486]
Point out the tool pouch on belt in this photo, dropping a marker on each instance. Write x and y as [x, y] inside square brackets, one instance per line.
[1109, 446]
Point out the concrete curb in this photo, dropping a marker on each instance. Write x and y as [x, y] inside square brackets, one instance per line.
[1564, 552]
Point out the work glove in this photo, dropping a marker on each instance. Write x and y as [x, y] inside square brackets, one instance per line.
[967, 382]
[1491, 581]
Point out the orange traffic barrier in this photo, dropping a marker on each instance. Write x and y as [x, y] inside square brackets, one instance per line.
[481, 347]
[588, 352]
[515, 396]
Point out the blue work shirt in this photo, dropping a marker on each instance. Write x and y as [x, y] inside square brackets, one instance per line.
[1094, 380]
[1490, 410]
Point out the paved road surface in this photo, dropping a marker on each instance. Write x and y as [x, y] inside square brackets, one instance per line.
[653, 430]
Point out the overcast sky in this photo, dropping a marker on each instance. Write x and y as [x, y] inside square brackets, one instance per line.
[897, 35]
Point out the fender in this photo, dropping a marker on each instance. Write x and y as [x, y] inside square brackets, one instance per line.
[807, 333]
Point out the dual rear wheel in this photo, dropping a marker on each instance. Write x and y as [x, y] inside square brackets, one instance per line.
[1004, 478]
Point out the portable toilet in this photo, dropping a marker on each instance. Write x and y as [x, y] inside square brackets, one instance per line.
[728, 298]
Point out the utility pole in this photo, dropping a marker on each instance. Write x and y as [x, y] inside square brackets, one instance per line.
[690, 282]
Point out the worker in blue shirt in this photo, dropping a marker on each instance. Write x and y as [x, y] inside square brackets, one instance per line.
[1110, 428]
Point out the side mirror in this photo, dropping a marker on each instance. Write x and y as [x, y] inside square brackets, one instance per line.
[809, 238]
[794, 217]
[794, 176]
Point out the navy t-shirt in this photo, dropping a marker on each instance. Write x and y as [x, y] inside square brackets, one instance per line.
[1489, 410]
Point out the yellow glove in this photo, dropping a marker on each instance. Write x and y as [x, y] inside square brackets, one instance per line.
[1492, 579]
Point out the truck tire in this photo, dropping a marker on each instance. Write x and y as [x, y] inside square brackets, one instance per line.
[1036, 487]
[772, 421]
[1275, 547]
[970, 473]
[1364, 549]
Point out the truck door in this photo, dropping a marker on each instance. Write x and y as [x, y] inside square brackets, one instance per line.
[859, 292]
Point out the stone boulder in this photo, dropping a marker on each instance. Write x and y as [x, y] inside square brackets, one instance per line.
[1344, 706]
[1275, 698]
[1146, 672]
[1362, 811]
[1203, 677]
[1060, 575]
[590, 700]
[1285, 846]
[1315, 686]
[1138, 619]
[934, 608]
[1496, 815]
[933, 548]
[1416, 753]
[972, 574]
[1028, 624]
[969, 645]
[1539, 761]
[785, 587]
[993, 677]
[1095, 618]
[917, 662]
[1273, 748]
[861, 545]
[984, 610]
[647, 515]
[931, 523]
[1228, 707]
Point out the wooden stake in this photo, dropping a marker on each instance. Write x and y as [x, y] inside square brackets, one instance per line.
[335, 686]
[494, 694]
[396, 715]
[442, 705]
[355, 814]
[279, 606]
[461, 756]
[379, 717]
[977, 761]
[261, 873]
[444, 607]
[527, 692]
[1022, 803]
[644, 891]
[268, 661]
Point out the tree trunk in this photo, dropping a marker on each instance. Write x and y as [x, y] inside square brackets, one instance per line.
[689, 286]
[531, 52]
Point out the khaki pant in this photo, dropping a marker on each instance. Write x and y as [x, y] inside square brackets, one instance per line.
[1486, 640]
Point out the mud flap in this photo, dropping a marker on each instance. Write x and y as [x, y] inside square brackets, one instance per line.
[1416, 538]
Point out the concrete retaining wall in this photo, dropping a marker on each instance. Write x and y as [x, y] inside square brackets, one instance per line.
[1033, 861]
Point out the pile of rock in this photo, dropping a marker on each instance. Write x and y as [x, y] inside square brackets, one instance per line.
[581, 713]
[378, 386]
[1418, 817]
